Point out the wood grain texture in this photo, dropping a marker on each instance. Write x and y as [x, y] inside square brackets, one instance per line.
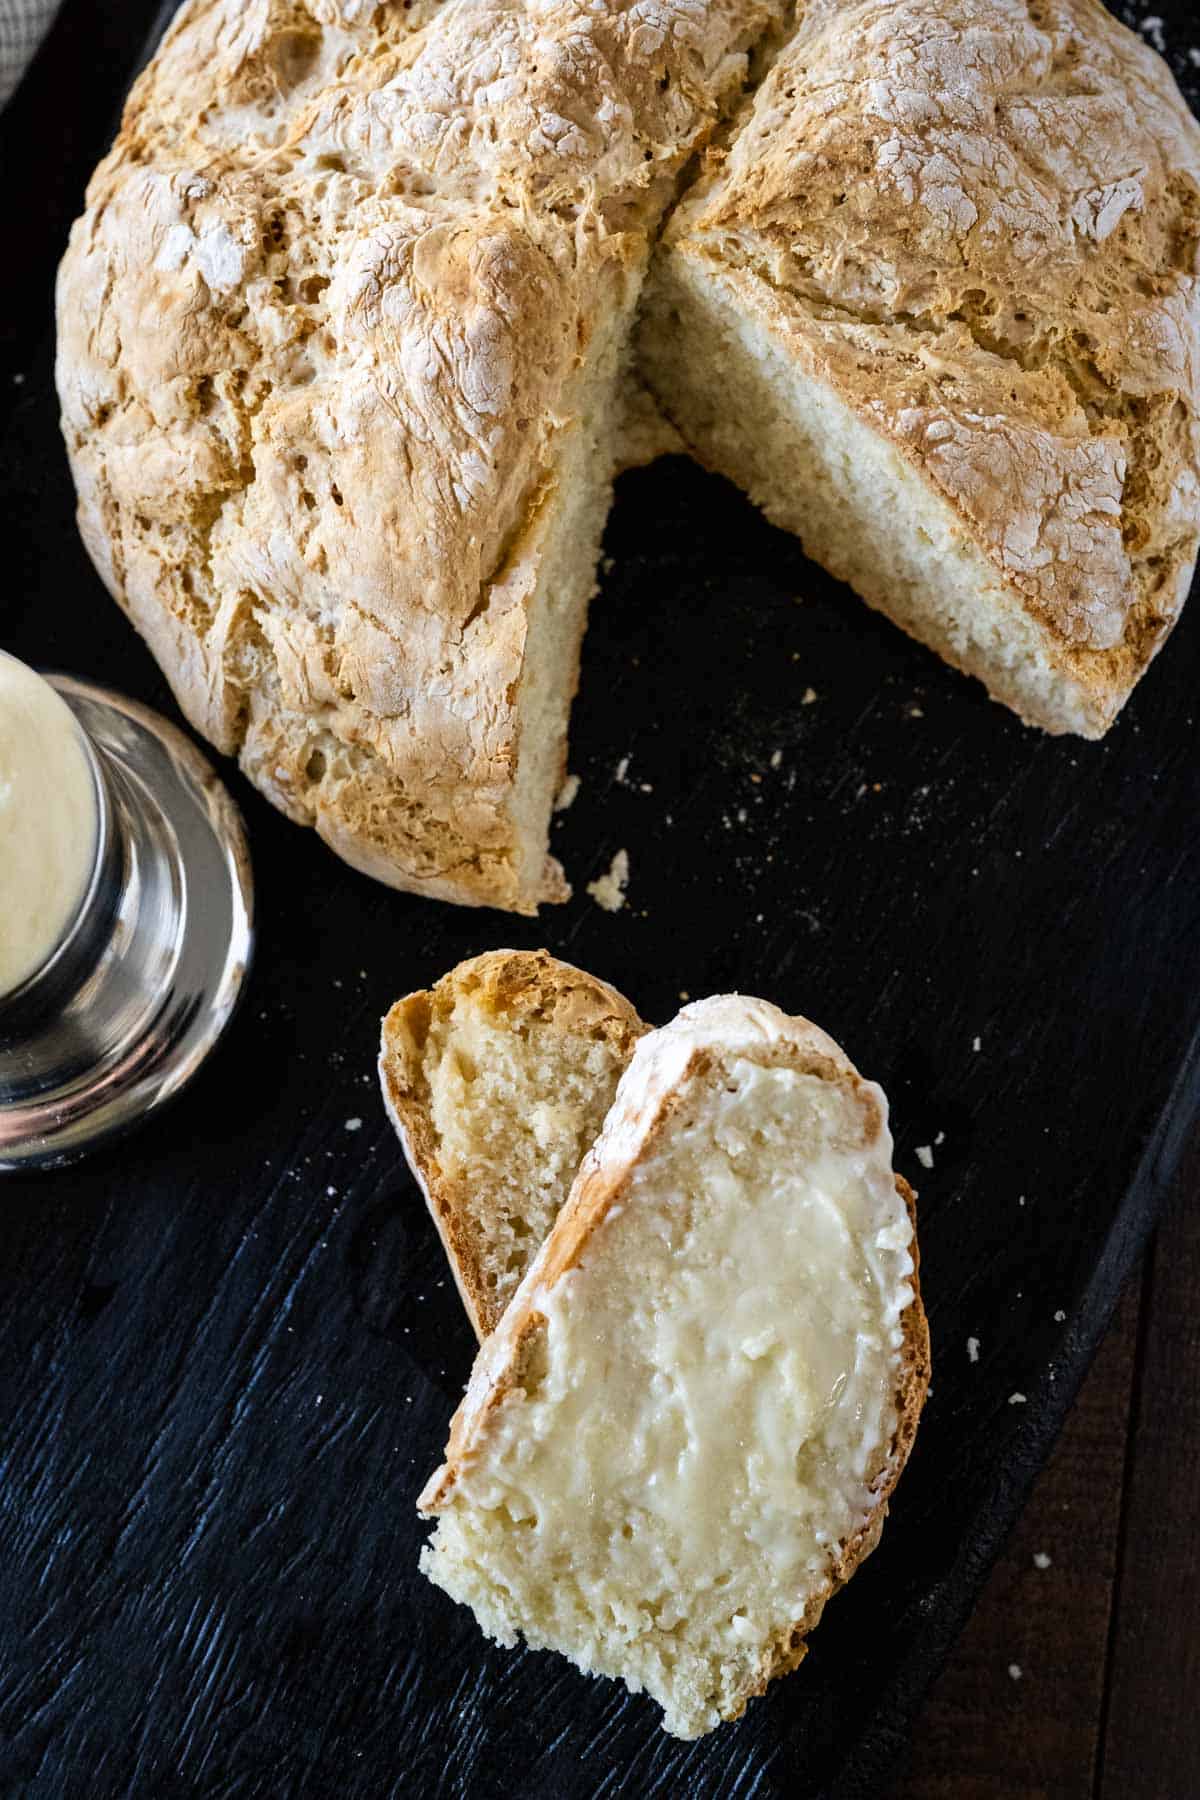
[1151, 1733]
[229, 1349]
[983, 1734]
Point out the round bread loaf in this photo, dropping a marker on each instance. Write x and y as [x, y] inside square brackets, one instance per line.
[340, 336]
[343, 345]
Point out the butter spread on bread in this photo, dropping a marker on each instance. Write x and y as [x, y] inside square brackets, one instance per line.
[682, 1434]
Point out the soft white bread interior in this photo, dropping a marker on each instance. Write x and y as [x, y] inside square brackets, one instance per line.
[682, 1435]
[498, 1080]
[936, 311]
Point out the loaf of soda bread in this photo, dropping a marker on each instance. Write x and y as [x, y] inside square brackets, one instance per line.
[341, 341]
[344, 358]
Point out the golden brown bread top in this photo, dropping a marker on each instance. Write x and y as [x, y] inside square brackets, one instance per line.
[979, 219]
[317, 329]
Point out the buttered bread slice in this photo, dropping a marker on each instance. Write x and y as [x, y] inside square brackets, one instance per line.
[498, 1080]
[937, 312]
[681, 1437]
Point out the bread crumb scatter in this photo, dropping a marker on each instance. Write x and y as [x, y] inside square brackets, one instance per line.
[1016, 1399]
[608, 890]
[808, 696]
[776, 758]
[1152, 27]
[939, 1139]
[976, 1045]
[1015, 1671]
[353, 1124]
[925, 1156]
[622, 770]
[1059, 1316]
[566, 793]
[1040, 1560]
[973, 1349]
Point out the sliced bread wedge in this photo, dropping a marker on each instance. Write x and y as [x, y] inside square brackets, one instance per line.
[681, 1437]
[498, 1080]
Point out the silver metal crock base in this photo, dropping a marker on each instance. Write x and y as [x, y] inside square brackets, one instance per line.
[138, 993]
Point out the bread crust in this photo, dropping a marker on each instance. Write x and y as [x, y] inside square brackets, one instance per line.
[324, 341]
[512, 984]
[977, 222]
[648, 1097]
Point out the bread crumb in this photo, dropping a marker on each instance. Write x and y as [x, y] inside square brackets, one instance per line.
[622, 769]
[973, 1350]
[925, 1156]
[1040, 1560]
[1015, 1671]
[808, 696]
[914, 712]
[566, 793]
[1152, 25]
[976, 1045]
[776, 758]
[939, 1139]
[608, 890]
[1016, 1399]
[353, 1124]
[1059, 1316]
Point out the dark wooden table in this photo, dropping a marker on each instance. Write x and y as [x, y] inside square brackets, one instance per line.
[1055, 889]
[1106, 1637]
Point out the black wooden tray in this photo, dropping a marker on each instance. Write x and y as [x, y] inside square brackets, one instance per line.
[229, 1348]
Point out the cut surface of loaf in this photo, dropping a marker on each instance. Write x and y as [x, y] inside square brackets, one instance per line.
[936, 311]
[681, 1436]
[340, 346]
[498, 1080]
